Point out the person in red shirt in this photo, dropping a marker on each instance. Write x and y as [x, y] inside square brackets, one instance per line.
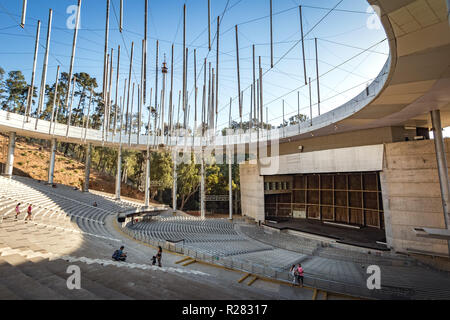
[17, 210]
[29, 213]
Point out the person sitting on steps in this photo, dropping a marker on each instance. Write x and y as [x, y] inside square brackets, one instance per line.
[119, 255]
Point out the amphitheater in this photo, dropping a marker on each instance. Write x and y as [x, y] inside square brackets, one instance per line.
[364, 180]
[67, 230]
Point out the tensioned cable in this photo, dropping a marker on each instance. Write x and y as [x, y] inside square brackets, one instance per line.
[283, 56]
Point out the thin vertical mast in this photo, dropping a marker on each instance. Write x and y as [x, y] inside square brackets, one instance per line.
[303, 45]
[318, 82]
[33, 76]
[44, 70]
[271, 36]
[237, 67]
[217, 70]
[121, 23]
[116, 107]
[105, 61]
[72, 60]
[129, 87]
[24, 14]
[54, 100]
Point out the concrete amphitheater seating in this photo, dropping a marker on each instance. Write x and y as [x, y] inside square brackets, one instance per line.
[64, 219]
[59, 207]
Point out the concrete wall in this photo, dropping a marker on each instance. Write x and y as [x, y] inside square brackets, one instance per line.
[356, 159]
[252, 191]
[411, 195]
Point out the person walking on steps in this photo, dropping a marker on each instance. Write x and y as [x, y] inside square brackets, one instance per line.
[159, 256]
[17, 210]
[300, 275]
[292, 272]
[29, 213]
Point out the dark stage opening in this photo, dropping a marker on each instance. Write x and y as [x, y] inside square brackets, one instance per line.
[333, 205]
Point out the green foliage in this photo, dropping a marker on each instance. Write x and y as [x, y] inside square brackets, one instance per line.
[16, 90]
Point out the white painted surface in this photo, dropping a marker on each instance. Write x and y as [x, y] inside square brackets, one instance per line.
[354, 159]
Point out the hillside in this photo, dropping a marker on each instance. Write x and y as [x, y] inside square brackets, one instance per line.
[32, 160]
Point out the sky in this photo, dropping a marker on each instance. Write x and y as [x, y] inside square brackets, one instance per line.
[344, 35]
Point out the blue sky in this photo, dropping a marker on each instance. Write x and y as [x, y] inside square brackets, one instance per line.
[342, 35]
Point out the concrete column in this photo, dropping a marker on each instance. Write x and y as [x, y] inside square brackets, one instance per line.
[87, 169]
[202, 187]
[10, 160]
[147, 179]
[230, 192]
[51, 168]
[119, 172]
[175, 178]
[442, 164]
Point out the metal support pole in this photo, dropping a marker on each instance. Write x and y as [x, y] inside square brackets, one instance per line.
[147, 178]
[298, 110]
[271, 35]
[303, 45]
[195, 97]
[119, 153]
[121, 16]
[184, 65]
[310, 103]
[131, 116]
[202, 187]
[87, 169]
[33, 75]
[175, 178]
[119, 172]
[209, 25]
[55, 95]
[108, 104]
[217, 69]
[171, 111]
[24, 14]
[116, 107]
[45, 67]
[255, 107]
[318, 82]
[51, 167]
[10, 159]
[156, 86]
[88, 113]
[144, 85]
[129, 87]
[237, 67]
[439, 144]
[72, 60]
[105, 59]
[261, 103]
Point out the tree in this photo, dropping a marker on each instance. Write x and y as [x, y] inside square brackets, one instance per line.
[161, 168]
[188, 181]
[17, 91]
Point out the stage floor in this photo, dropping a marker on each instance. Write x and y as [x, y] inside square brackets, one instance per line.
[365, 237]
